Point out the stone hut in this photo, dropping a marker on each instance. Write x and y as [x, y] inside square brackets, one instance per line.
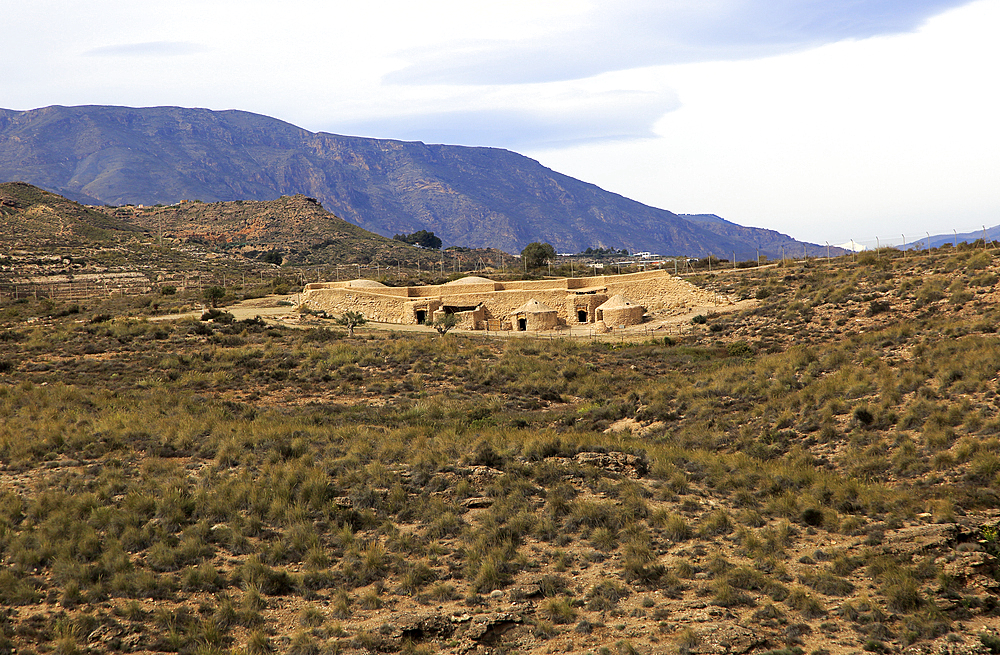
[534, 315]
[619, 311]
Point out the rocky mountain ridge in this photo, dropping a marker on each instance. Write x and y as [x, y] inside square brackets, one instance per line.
[480, 197]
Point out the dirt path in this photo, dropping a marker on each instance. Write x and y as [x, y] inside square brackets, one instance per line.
[275, 308]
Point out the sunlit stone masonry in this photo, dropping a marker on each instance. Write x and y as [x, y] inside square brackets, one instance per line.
[603, 302]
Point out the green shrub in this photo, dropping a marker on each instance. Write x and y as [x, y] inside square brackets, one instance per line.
[901, 590]
[805, 604]
[739, 349]
[559, 610]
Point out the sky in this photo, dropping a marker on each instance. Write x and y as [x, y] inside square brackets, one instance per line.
[828, 120]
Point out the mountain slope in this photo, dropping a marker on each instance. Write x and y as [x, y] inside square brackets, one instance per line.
[768, 242]
[467, 196]
[991, 235]
[297, 227]
[29, 215]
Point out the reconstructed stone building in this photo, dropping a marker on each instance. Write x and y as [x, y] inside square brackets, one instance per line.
[619, 311]
[610, 301]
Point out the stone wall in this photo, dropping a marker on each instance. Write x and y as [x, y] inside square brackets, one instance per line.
[384, 309]
[622, 316]
[655, 291]
[535, 321]
[583, 302]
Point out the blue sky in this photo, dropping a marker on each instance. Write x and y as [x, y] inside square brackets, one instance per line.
[825, 119]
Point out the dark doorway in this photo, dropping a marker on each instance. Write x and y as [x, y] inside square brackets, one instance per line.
[421, 316]
[581, 315]
[522, 324]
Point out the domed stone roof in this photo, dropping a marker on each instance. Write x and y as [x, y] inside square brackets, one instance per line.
[357, 284]
[533, 307]
[471, 279]
[617, 302]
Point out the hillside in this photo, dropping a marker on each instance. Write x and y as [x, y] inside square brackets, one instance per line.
[298, 228]
[53, 247]
[819, 473]
[478, 197]
[770, 243]
[32, 217]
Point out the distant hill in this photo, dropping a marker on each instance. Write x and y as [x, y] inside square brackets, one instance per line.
[467, 196]
[769, 242]
[33, 217]
[937, 240]
[297, 228]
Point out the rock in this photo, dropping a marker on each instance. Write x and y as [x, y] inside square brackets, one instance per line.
[420, 627]
[918, 539]
[966, 564]
[631, 465]
[487, 630]
[481, 474]
[942, 646]
[730, 640]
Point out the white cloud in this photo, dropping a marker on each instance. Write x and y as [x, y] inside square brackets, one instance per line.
[149, 49]
[613, 35]
[888, 135]
[608, 108]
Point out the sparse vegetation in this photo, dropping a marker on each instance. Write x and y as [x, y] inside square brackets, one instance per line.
[351, 320]
[204, 486]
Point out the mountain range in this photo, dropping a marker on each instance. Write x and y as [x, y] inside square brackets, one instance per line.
[477, 197]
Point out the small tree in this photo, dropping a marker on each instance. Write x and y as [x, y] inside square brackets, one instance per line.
[351, 320]
[273, 257]
[445, 323]
[420, 238]
[536, 254]
[214, 294]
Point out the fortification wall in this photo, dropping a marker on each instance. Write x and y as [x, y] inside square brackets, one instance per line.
[660, 292]
[654, 291]
[534, 285]
[469, 287]
[374, 307]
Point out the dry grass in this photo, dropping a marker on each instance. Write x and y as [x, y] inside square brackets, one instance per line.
[206, 487]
